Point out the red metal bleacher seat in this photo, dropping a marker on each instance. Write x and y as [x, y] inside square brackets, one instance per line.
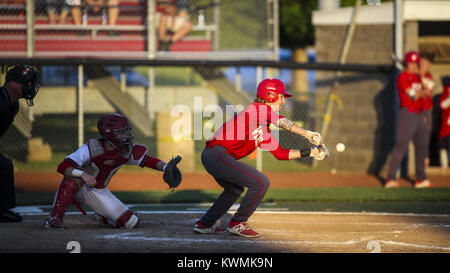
[61, 41]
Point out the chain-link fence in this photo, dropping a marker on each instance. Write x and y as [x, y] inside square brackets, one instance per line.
[138, 28]
[362, 114]
[355, 108]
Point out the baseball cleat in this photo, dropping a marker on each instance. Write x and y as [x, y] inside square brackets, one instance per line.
[420, 184]
[10, 216]
[200, 228]
[54, 222]
[101, 220]
[391, 184]
[242, 229]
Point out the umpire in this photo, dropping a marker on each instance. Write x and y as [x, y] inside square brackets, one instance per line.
[21, 82]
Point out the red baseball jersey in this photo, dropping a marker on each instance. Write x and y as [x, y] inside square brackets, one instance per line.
[405, 81]
[427, 102]
[445, 114]
[246, 131]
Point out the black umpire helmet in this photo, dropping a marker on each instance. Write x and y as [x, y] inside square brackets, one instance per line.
[28, 78]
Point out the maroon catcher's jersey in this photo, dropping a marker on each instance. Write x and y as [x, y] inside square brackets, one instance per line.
[93, 158]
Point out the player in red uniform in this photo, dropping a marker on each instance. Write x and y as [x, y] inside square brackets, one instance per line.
[237, 138]
[427, 101]
[410, 125]
[444, 131]
[88, 171]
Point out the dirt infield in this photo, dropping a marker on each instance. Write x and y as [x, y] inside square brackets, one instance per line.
[153, 181]
[291, 232]
[282, 231]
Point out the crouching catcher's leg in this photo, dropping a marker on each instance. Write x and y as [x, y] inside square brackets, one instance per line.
[65, 195]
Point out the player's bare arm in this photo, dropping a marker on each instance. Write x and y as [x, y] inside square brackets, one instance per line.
[288, 125]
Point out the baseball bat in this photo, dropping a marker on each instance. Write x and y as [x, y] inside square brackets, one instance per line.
[397, 60]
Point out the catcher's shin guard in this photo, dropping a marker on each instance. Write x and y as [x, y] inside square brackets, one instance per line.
[128, 219]
[65, 195]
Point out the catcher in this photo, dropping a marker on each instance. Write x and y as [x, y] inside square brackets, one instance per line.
[239, 137]
[88, 171]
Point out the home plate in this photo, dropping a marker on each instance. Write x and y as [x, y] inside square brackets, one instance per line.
[26, 209]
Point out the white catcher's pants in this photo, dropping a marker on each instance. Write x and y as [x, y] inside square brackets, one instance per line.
[102, 201]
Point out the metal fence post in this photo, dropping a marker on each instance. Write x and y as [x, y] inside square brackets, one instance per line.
[30, 28]
[123, 79]
[151, 54]
[216, 14]
[276, 31]
[238, 79]
[398, 15]
[259, 154]
[80, 110]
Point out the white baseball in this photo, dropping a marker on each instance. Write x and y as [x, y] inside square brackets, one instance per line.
[340, 147]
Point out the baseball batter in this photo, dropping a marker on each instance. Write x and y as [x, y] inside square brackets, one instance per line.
[237, 138]
[410, 123]
[88, 171]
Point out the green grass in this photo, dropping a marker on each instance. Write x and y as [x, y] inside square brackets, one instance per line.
[402, 200]
[358, 194]
[355, 195]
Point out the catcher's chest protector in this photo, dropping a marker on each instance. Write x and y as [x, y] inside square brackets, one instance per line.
[103, 164]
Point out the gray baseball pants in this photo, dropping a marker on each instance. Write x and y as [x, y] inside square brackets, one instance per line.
[233, 176]
[410, 126]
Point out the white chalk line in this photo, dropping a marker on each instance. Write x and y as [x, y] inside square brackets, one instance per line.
[130, 236]
[347, 223]
[412, 245]
[36, 210]
[291, 232]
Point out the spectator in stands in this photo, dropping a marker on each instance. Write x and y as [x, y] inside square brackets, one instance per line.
[53, 6]
[172, 22]
[75, 10]
[96, 6]
[111, 5]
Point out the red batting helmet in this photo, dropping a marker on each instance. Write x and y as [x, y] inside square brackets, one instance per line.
[412, 57]
[116, 129]
[269, 89]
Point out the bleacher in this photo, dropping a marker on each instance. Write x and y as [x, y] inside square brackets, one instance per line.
[91, 38]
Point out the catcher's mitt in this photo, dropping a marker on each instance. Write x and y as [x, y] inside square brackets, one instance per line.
[172, 175]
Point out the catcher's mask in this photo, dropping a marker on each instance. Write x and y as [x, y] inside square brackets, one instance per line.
[28, 78]
[116, 129]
